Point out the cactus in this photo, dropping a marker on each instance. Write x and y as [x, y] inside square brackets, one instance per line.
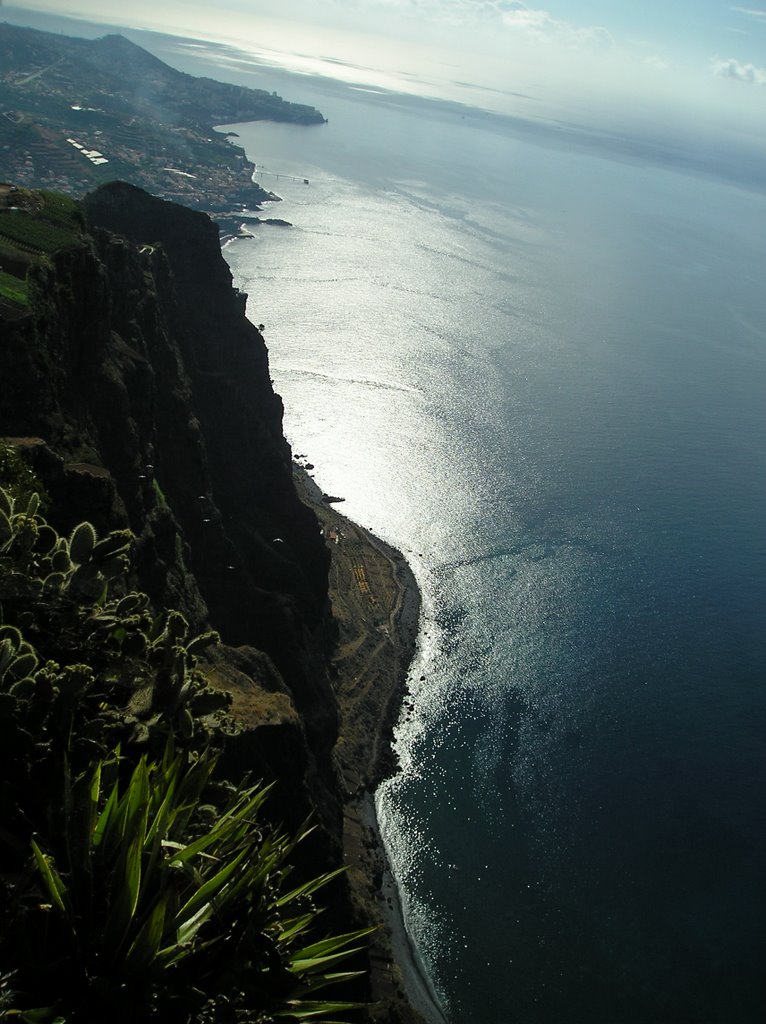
[116, 542]
[202, 642]
[33, 505]
[81, 543]
[60, 561]
[100, 668]
[17, 657]
[130, 604]
[47, 538]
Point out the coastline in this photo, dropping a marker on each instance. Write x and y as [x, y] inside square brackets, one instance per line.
[376, 603]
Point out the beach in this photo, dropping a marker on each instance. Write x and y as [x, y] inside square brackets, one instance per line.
[376, 605]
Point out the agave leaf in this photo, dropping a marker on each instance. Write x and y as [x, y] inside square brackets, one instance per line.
[107, 815]
[318, 963]
[126, 883]
[147, 943]
[230, 828]
[296, 925]
[306, 1009]
[162, 820]
[315, 983]
[40, 1015]
[309, 887]
[252, 797]
[133, 867]
[333, 943]
[138, 791]
[53, 882]
[189, 928]
[186, 853]
[214, 888]
[94, 795]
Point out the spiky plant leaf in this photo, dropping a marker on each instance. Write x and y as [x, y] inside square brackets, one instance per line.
[53, 883]
[309, 887]
[315, 1010]
[146, 945]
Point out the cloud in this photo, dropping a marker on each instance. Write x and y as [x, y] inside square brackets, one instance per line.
[729, 67]
[757, 13]
[542, 26]
[514, 15]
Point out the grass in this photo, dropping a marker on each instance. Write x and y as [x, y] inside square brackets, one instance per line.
[61, 210]
[14, 289]
[41, 223]
[34, 231]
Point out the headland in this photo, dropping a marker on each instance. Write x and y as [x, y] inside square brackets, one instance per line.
[76, 113]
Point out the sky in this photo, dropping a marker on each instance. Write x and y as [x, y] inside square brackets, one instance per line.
[684, 64]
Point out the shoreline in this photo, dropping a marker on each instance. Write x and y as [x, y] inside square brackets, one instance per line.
[376, 602]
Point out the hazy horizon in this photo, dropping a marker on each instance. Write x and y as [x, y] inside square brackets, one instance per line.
[673, 68]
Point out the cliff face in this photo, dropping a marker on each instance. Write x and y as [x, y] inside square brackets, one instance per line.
[138, 369]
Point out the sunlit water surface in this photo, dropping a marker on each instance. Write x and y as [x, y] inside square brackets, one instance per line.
[541, 375]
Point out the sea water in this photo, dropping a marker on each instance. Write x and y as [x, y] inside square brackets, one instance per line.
[541, 374]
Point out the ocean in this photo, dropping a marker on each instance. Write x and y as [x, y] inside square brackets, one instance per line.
[540, 372]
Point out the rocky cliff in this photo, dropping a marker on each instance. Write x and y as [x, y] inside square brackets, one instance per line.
[150, 393]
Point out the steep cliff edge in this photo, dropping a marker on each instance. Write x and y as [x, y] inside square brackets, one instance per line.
[136, 366]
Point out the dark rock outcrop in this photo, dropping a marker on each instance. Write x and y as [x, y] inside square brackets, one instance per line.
[150, 390]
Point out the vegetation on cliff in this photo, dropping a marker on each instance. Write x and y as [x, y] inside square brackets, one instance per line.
[33, 225]
[134, 884]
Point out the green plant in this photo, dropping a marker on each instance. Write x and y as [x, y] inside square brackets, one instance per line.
[20, 482]
[84, 665]
[144, 913]
[14, 288]
[139, 900]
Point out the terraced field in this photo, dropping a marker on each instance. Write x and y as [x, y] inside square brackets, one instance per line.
[33, 225]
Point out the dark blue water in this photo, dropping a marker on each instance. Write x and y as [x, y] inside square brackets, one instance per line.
[542, 374]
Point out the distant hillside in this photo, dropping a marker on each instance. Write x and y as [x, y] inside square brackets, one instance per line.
[113, 72]
[75, 113]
